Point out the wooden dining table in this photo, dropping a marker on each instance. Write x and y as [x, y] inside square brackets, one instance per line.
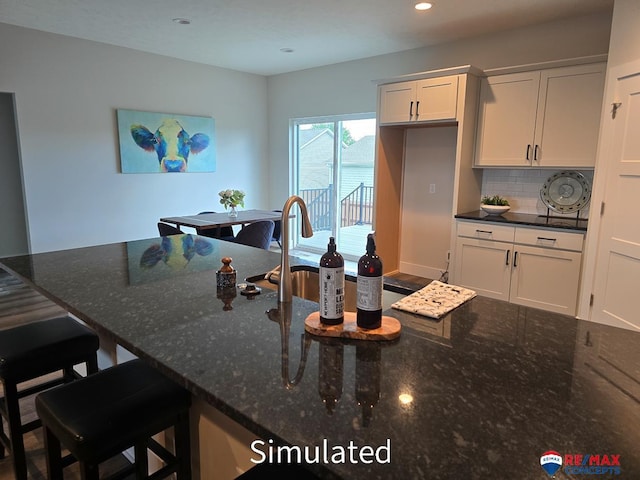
[205, 221]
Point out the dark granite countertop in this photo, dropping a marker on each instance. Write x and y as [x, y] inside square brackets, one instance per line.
[481, 393]
[565, 222]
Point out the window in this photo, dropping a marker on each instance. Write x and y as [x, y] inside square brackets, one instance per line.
[332, 170]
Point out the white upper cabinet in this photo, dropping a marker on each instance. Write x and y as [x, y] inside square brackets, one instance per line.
[427, 100]
[544, 118]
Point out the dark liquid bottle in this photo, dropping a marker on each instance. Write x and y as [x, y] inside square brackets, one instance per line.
[369, 287]
[368, 377]
[330, 372]
[331, 286]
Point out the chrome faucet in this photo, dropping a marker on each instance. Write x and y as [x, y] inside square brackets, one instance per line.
[284, 284]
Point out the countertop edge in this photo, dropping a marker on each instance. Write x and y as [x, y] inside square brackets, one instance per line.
[540, 221]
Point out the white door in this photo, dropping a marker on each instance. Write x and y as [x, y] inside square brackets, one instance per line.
[545, 278]
[397, 102]
[506, 120]
[436, 99]
[617, 274]
[484, 266]
[568, 118]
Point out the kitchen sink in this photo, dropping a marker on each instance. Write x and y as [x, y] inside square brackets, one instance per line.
[305, 283]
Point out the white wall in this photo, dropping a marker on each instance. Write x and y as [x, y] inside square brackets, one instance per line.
[67, 91]
[348, 87]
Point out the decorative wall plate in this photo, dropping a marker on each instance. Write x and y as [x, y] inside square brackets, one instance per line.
[566, 192]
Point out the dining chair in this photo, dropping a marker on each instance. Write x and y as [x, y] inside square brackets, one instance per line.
[256, 234]
[165, 229]
[226, 233]
[277, 230]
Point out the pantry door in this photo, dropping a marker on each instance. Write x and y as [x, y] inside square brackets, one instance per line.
[618, 262]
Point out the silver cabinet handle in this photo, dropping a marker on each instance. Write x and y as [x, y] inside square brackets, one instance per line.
[515, 259]
[507, 260]
[488, 232]
[547, 239]
[411, 109]
[528, 152]
[417, 108]
[535, 153]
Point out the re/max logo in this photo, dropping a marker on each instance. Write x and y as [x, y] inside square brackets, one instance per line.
[592, 460]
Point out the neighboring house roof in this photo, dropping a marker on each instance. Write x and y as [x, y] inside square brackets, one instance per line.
[360, 153]
[306, 137]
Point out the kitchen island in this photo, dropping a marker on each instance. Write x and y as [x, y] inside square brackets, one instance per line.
[482, 393]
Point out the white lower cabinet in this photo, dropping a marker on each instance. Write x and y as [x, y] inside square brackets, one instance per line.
[527, 266]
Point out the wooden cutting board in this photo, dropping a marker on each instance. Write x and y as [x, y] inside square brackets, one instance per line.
[388, 330]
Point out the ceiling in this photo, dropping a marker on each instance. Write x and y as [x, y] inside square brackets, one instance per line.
[248, 35]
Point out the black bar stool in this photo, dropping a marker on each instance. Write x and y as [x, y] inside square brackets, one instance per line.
[102, 415]
[31, 351]
[267, 471]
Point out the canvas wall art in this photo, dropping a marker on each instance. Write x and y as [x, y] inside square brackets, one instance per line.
[164, 142]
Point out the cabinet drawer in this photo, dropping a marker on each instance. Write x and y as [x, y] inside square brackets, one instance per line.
[486, 231]
[549, 239]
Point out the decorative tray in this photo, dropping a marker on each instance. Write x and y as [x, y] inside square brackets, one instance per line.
[389, 329]
[566, 192]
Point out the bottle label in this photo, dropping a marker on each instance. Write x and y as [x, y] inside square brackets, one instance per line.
[331, 292]
[369, 293]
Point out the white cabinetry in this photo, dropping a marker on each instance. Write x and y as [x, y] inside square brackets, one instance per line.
[436, 149]
[528, 266]
[427, 100]
[544, 118]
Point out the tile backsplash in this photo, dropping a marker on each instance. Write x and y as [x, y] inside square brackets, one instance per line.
[522, 188]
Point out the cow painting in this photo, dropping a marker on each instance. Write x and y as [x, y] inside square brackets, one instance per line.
[171, 143]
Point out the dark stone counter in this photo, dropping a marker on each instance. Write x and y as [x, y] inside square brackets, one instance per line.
[481, 393]
[565, 222]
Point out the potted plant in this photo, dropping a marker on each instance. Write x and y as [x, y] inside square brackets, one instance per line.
[231, 199]
[494, 205]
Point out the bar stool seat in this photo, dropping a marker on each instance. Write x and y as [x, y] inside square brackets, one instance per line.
[100, 416]
[31, 351]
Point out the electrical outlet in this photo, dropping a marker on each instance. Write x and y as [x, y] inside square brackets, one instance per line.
[432, 188]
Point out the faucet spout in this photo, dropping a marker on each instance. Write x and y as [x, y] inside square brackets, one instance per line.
[284, 285]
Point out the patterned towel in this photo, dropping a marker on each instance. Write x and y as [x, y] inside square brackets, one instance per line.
[435, 300]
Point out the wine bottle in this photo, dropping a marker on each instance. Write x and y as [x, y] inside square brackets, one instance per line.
[331, 286]
[369, 288]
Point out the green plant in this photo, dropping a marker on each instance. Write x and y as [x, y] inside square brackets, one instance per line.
[494, 200]
[231, 198]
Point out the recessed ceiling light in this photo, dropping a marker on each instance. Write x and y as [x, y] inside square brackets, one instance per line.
[287, 50]
[423, 6]
[182, 21]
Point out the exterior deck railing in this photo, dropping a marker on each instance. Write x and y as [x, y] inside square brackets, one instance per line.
[356, 208]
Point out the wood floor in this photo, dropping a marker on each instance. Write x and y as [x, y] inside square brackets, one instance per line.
[20, 304]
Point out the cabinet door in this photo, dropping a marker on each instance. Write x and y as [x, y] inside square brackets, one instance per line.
[397, 102]
[436, 99]
[506, 120]
[483, 266]
[545, 278]
[568, 119]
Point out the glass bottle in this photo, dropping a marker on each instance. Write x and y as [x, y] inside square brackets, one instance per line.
[369, 288]
[331, 286]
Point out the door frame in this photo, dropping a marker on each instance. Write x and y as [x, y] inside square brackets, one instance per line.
[599, 193]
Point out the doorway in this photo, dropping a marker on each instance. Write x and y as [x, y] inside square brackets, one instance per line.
[13, 235]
